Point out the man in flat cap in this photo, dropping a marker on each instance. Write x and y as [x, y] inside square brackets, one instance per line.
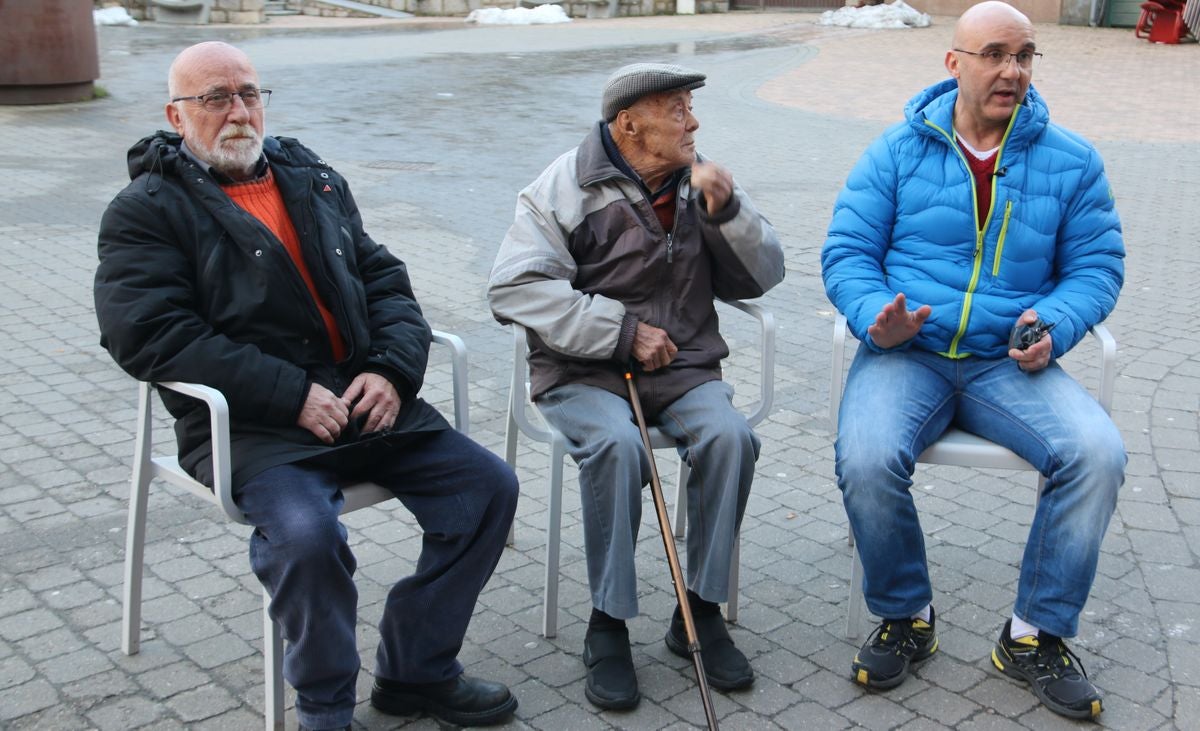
[615, 257]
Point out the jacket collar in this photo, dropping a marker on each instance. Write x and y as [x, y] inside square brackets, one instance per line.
[593, 164]
[260, 167]
[598, 159]
[935, 105]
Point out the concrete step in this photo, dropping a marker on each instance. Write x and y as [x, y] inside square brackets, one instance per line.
[365, 8]
[278, 7]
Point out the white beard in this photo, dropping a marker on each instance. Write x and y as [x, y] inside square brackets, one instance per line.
[236, 152]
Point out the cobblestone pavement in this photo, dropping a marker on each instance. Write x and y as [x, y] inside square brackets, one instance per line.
[437, 126]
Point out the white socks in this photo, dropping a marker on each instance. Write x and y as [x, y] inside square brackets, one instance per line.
[924, 615]
[1020, 628]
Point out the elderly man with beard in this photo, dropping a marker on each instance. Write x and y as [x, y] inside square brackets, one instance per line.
[240, 262]
[975, 216]
[613, 261]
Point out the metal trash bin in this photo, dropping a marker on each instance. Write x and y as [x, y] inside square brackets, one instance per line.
[48, 51]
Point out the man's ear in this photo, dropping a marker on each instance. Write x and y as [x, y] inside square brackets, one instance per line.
[174, 116]
[952, 63]
[625, 123]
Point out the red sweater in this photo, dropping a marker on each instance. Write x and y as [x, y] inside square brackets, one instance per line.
[261, 198]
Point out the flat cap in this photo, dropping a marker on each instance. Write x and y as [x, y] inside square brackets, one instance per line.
[632, 82]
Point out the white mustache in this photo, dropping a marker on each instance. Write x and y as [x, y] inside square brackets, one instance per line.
[238, 130]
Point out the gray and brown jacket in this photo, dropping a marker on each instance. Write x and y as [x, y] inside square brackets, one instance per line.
[586, 259]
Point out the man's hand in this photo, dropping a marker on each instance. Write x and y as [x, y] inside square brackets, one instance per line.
[376, 397]
[894, 324]
[715, 182]
[324, 414]
[652, 347]
[1036, 356]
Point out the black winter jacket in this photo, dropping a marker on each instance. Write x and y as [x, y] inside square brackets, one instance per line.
[191, 287]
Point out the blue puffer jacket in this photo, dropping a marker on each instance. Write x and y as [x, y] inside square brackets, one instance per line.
[906, 222]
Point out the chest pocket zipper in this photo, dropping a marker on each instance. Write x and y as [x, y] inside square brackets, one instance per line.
[1000, 240]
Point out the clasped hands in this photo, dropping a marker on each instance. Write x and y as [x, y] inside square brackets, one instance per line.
[895, 324]
[326, 414]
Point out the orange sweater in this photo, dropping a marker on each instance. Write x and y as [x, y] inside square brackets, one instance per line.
[261, 198]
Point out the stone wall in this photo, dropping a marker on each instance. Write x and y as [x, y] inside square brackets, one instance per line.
[242, 12]
[574, 8]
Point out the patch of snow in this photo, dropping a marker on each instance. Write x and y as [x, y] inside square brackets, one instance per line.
[112, 16]
[891, 15]
[542, 14]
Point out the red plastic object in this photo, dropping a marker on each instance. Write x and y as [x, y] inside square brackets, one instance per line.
[1161, 21]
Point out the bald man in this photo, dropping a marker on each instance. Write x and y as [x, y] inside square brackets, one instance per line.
[972, 217]
[240, 262]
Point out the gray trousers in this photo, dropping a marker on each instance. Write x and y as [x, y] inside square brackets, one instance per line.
[604, 441]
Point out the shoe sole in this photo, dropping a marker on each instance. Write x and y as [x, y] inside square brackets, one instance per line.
[407, 704]
[681, 650]
[1014, 671]
[862, 676]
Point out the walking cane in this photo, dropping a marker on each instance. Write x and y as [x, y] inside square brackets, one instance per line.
[664, 525]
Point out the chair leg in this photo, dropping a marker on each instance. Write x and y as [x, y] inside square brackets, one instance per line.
[510, 456]
[731, 607]
[272, 669]
[135, 532]
[135, 545]
[854, 611]
[680, 525]
[553, 538]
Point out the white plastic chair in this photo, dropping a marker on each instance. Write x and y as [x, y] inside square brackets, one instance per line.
[521, 420]
[955, 447]
[147, 466]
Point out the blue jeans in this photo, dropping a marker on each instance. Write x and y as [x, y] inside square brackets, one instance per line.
[897, 403]
[605, 442]
[464, 498]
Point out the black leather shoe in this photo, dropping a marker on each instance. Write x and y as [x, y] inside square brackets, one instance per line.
[724, 665]
[611, 679]
[463, 701]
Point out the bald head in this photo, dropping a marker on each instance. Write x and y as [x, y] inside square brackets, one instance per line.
[986, 18]
[992, 60]
[208, 55]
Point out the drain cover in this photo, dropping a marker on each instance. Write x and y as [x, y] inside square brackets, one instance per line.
[401, 165]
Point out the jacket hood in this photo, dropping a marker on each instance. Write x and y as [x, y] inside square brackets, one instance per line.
[935, 105]
[159, 153]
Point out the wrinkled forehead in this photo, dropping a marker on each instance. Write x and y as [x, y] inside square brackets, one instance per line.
[664, 101]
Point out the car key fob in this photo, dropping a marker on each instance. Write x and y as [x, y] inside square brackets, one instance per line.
[1025, 334]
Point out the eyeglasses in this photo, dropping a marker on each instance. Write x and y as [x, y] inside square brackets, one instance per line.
[221, 101]
[997, 58]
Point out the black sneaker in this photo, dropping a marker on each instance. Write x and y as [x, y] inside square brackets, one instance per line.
[892, 650]
[611, 680]
[1053, 671]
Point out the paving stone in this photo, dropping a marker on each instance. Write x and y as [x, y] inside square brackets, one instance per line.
[14, 671]
[26, 624]
[74, 666]
[27, 698]
[201, 703]
[127, 712]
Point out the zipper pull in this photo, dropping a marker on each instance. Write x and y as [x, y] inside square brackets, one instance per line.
[669, 243]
